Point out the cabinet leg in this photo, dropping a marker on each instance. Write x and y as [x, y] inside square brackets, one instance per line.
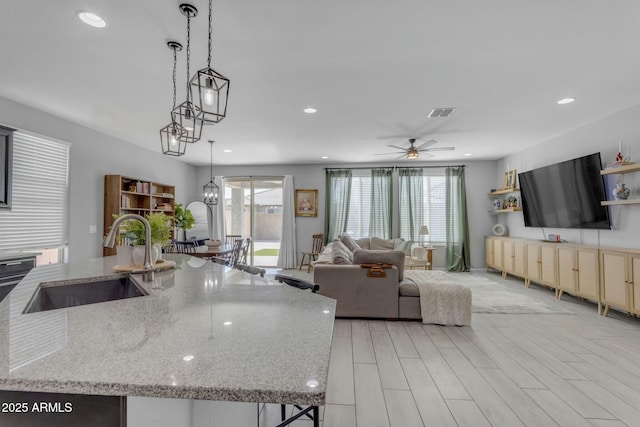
[599, 309]
[606, 310]
[527, 282]
[559, 295]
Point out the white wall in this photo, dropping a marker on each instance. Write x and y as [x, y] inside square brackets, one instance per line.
[479, 178]
[93, 155]
[600, 136]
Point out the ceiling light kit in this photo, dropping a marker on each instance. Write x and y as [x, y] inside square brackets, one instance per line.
[208, 89]
[170, 135]
[413, 152]
[564, 101]
[211, 88]
[210, 191]
[185, 113]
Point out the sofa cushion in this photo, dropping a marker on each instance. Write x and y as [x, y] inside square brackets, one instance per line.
[381, 244]
[408, 288]
[341, 254]
[364, 243]
[348, 241]
[364, 256]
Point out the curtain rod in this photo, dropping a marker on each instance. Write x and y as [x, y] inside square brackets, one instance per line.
[397, 167]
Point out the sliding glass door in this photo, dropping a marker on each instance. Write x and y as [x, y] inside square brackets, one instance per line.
[253, 208]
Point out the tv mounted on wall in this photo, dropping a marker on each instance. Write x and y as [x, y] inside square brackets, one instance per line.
[6, 146]
[565, 195]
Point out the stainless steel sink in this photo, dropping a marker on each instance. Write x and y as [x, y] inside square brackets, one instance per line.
[54, 295]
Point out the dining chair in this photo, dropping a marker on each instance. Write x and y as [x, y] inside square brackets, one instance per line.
[231, 258]
[231, 238]
[184, 246]
[244, 251]
[218, 260]
[316, 248]
[305, 285]
[251, 269]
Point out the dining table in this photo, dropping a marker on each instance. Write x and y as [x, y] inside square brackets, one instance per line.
[211, 251]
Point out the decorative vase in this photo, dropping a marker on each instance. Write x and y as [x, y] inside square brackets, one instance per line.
[158, 251]
[138, 254]
[125, 257]
[621, 192]
[496, 204]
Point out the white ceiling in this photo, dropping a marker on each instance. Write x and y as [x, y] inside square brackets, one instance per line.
[372, 68]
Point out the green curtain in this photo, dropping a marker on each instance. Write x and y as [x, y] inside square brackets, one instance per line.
[380, 215]
[338, 193]
[411, 202]
[457, 225]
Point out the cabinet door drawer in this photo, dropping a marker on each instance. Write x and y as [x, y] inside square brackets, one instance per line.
[13, 267]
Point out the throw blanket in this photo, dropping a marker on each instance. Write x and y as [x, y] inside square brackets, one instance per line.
[442, 301]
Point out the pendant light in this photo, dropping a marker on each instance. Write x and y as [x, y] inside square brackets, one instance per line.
[186, 114]
[170, 135]
[210, 191]
[210, 89]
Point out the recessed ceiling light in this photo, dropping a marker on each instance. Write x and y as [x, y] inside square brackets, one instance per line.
[312, 383]
[566, 101]
[309, 110]
[227, 323]
[467, 154]
[91, 19]
[188, 358]
[227, 151]
[324, 157]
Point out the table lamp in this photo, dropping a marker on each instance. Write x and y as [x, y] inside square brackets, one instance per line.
[424, 231]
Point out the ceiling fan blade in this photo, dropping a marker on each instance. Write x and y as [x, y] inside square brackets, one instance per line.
[393, 137]
[395, 146]
[394, 152]
[404, 156]
[426, 154]
[439, 149]
[428, 143]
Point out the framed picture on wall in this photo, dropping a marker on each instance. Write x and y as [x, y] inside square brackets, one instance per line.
[306, 202]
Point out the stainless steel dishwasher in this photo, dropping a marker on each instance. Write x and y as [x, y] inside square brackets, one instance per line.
[12, 270]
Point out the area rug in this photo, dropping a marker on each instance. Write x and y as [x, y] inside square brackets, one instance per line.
[487, 296]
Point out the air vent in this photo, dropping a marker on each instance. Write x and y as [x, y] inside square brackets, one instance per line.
[441, 112]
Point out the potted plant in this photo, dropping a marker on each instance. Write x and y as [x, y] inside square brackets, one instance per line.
[184, 220]
[512, 201]
[160, 225]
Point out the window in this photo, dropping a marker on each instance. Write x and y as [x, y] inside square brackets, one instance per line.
[359, 204]
[431, 206]
[38, 216]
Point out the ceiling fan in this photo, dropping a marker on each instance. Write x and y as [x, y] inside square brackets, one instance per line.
[413, 152]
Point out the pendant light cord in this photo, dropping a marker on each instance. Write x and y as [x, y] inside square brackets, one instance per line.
[188, 54]
[175, 61]
[210, 33]
[211, 163]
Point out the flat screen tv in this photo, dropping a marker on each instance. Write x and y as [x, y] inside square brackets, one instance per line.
[565, 195]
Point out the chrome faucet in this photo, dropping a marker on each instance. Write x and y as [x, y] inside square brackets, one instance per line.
[147, 269]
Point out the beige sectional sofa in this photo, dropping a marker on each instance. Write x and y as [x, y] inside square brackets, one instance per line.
[340, 276]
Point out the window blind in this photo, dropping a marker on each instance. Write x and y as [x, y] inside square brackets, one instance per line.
[433, 211]
[360, 204]
[38, 217]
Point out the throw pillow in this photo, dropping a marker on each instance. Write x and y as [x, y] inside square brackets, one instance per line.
[363, 256]
[403, 245]
[348, 241]
[381, 244]
[341, 254]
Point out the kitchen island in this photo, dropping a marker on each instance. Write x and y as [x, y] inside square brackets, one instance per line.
[203, 332]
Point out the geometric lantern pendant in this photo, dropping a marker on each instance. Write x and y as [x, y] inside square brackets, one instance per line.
[210, 191]
[187, 118]
[170, 136]
[210, 90]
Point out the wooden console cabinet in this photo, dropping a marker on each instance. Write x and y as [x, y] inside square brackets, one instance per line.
[567, 268]
[620, 279]
[133, 195]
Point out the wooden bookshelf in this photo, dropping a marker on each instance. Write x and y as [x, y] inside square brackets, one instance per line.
[124, 194]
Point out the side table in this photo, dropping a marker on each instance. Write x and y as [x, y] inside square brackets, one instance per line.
[427, 264]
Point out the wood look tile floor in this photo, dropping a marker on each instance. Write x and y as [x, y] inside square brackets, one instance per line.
[505, 370]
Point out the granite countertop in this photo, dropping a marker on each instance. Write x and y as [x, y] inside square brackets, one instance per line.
[209, 332]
